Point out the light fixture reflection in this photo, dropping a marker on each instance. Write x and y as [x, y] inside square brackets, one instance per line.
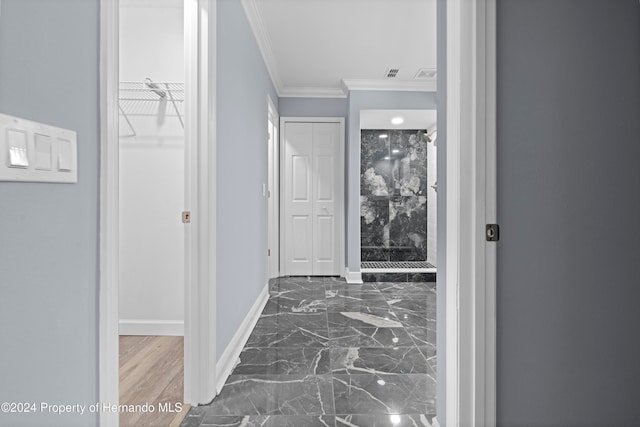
[395, 419]
[383, 135]
[394, 340]
[395, 150]
[387, 158]
[397, 120]
[381, 382]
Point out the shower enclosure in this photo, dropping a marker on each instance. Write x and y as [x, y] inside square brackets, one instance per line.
[396, 189]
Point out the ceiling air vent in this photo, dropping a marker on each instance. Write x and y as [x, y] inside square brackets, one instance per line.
[426, 74]
[391, 73]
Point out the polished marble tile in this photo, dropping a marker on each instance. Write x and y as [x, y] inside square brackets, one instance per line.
[360, 336]
[379, 318]
[388, 394]
[406, 288]
[337, 305]
[293, 320]
[416, 303]
[415, 319]
[269, 421]
[393, 420]
[284, 361]
[274, 395]
[290, 303]
[327, 353]
[379, 361]
[290, 337]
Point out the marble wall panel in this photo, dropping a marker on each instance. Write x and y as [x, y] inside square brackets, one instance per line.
[393, 203]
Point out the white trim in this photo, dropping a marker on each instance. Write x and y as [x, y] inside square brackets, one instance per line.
[353, 277]
[273, 185]
[229, 358]
[174, 328]
[264, 42]
[470, 203]
[200, 234]
[389, 85]
[108, 380]
[312, 92]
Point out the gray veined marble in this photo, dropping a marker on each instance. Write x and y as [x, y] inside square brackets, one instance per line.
[284, 361]
[325, 353]
[379, 361]
[391, 420]
[293, 320]
[393, 189]
[274, 395]
[366, 319]
[389, 394]
[269, 421]
[290, 337]
[294, 304]
[362, 336]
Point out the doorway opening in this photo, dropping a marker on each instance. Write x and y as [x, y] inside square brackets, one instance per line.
[151, 276]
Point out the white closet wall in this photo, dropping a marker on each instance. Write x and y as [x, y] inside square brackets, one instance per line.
[151, 297]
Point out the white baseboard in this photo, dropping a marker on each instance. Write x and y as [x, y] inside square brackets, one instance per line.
[353, 277]
[231, 354]
[151, 327]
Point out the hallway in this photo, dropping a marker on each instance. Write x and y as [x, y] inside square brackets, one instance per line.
[325, 353]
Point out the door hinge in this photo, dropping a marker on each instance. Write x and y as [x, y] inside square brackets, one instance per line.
[186, 217]
[492, 232]
[268, 194]
[268, 252]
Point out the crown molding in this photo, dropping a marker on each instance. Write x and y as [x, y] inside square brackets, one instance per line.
[313, 92]
[264, 42]
[401, 85]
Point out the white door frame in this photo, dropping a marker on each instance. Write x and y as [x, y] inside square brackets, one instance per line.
[470, 375]
[470, 203]
[341, 202]
[200, 248]
[273, 186]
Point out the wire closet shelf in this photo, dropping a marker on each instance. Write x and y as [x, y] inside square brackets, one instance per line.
[146, 99]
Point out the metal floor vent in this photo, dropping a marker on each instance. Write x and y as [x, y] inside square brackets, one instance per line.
[396, 264]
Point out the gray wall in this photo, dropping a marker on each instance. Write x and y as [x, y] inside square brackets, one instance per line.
[243, 85]
[49, 232]
[569, 211]
[313, 107]
[369, 100]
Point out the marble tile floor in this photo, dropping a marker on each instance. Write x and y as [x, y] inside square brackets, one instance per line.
[327, 353]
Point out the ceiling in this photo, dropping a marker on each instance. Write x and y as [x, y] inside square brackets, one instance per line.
[324, 48]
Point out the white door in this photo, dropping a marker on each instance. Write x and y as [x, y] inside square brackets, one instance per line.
[313, 178]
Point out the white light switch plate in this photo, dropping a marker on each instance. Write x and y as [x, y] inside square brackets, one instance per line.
[36, 152]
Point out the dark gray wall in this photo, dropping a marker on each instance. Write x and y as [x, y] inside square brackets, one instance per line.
[569, 210]
[49, 232]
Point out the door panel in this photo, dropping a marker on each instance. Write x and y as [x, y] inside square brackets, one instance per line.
[298, 250]
[313, 189]
[300, 178]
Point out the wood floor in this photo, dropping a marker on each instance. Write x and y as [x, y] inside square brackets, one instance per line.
[152, 373]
